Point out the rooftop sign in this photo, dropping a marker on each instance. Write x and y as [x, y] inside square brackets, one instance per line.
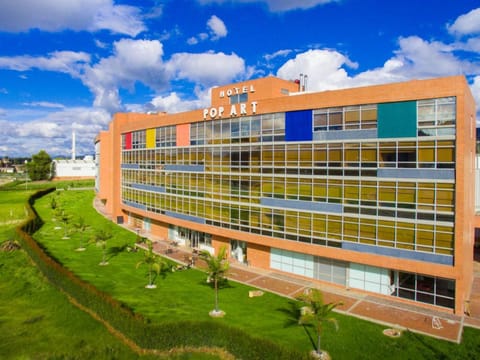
[233, 110]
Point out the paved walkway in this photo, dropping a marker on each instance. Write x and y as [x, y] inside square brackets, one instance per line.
[362, 305]
[391, 314]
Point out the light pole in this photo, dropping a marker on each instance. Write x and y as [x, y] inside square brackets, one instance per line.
[26, 175]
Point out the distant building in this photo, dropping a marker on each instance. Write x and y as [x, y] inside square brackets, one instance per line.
[371, 188]
[78, 169]
[6, 166]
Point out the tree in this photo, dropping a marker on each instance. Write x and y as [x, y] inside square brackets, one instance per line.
[217, 267]
[65, 218]
[155, 264]
[315, 313]
[81, 226]
[39, 167]
[100, 238]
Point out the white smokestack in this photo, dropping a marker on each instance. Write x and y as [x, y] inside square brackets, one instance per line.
[73, 146]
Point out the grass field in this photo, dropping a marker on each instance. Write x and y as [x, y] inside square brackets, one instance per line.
[185, 295]
[38, 322]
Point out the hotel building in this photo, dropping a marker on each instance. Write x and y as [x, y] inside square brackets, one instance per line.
[369, 188]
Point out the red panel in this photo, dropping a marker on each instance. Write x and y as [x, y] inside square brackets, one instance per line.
[128, 141]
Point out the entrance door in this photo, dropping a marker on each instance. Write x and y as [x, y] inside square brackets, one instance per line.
[193, 239]
[238, 250]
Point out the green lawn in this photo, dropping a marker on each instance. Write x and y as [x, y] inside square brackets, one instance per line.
[38, 322]
[185, 295]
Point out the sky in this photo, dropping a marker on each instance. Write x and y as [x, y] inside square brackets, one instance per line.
[68, 66]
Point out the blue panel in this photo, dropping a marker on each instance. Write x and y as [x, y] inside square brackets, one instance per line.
[192, 168]
[436, 174]
[399, 253]
[345, 135]
[159, 189]
[303, 205]
[185, 217]
[135, 205]
[129, 166]
[298, 125]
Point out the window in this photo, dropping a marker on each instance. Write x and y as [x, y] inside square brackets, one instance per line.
[346, 118]
[436, 117]
[238, 98]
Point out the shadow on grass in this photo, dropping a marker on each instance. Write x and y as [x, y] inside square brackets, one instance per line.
[422, 342]
[116, 250]
[293, 312]
[223, 284]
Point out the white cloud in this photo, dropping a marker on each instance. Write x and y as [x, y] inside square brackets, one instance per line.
[121, 19]
[173, 103]
[45, 104]
[326, 69]
[50, 130]
[279, 53]
[207, 69]
[61, 61]
[466, 24]
[323, 67]
[132, 61]
[57, 15]
[277, 5]
[216, 30]
[217, 27]
[192, 41]
[415, 58]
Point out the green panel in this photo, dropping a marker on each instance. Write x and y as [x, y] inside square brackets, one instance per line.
[396, 120]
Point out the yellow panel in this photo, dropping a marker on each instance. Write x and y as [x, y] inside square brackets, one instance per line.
[445, 155]
[151, 138]
[351, 191]
[405, 233]
[426, 196]
[369, 155]
[426, 155]
[369, 114]
[387, 191]
[352, 115]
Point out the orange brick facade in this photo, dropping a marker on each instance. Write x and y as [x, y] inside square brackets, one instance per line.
[272, 95]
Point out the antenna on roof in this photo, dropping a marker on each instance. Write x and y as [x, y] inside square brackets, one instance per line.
[303, 82]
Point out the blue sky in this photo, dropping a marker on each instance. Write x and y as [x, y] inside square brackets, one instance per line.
[69, 65]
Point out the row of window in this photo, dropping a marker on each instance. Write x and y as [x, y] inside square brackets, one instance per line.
[313, 156]
[323, 229]
[409, 197]
[435, 117]
[416, 287]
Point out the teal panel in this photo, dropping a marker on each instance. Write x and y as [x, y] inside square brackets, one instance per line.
[396, 120]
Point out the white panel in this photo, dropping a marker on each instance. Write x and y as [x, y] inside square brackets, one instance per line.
[372, 274]
[357, 271]
[356, 284]
[274, 256]
[373, 287]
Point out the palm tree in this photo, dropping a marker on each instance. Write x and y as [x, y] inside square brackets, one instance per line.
[155, 264]
[81, 226]
[315, 313]
[100, 238]
[65, 217]
[217, 267]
